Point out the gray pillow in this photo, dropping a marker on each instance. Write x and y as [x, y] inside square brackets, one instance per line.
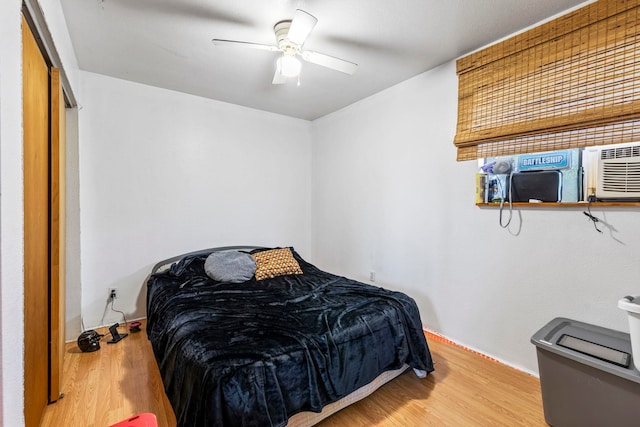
[231, 267]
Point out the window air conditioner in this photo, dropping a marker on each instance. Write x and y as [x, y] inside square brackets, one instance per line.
[618, 175]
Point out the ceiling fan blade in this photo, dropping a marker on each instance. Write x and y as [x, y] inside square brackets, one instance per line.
[301, 25]
[332, 62]
[278, 77]
[235, 43]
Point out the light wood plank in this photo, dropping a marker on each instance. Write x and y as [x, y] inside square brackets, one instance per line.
[109, 385]
[466, 389]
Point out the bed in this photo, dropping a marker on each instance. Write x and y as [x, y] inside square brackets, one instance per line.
[288, 349]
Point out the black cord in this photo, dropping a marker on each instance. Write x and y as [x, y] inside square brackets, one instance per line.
[126, 324]
[592, 218]
[504, 196]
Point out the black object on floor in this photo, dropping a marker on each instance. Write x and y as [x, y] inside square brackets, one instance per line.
[116, 336]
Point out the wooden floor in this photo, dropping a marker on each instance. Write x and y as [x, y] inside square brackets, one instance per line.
[466, 389]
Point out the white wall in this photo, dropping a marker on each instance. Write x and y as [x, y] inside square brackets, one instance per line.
[163, 173]
[73, 288]
[11, 213]
[389, 197]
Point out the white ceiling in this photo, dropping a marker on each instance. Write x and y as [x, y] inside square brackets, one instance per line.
[167, 43]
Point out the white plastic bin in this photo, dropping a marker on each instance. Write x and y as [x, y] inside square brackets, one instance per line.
[632, 306]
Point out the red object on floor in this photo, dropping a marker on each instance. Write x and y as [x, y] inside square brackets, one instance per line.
[141, 420]
[135, 326]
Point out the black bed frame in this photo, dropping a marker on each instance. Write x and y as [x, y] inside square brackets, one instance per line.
[171, 260]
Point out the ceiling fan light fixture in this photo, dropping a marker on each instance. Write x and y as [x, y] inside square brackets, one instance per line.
[289, 66]
[291, 35]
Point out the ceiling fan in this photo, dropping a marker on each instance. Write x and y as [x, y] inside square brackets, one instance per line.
[290, 36]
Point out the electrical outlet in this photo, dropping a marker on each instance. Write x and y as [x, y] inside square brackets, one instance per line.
[113, 293]
[372, 276]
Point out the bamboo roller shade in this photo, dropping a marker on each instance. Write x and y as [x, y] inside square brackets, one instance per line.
[572, 82]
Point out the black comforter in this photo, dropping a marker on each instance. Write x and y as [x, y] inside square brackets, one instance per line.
[255, 353]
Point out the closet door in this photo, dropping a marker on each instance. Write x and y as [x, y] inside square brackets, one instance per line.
[36, 228]
[58, 165]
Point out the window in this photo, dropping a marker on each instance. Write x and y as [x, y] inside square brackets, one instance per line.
[573, 82]
[555, 176]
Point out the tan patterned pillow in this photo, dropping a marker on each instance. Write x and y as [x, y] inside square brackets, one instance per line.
[275, 262]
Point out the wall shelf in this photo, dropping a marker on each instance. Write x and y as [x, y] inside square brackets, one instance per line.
[562, 205]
